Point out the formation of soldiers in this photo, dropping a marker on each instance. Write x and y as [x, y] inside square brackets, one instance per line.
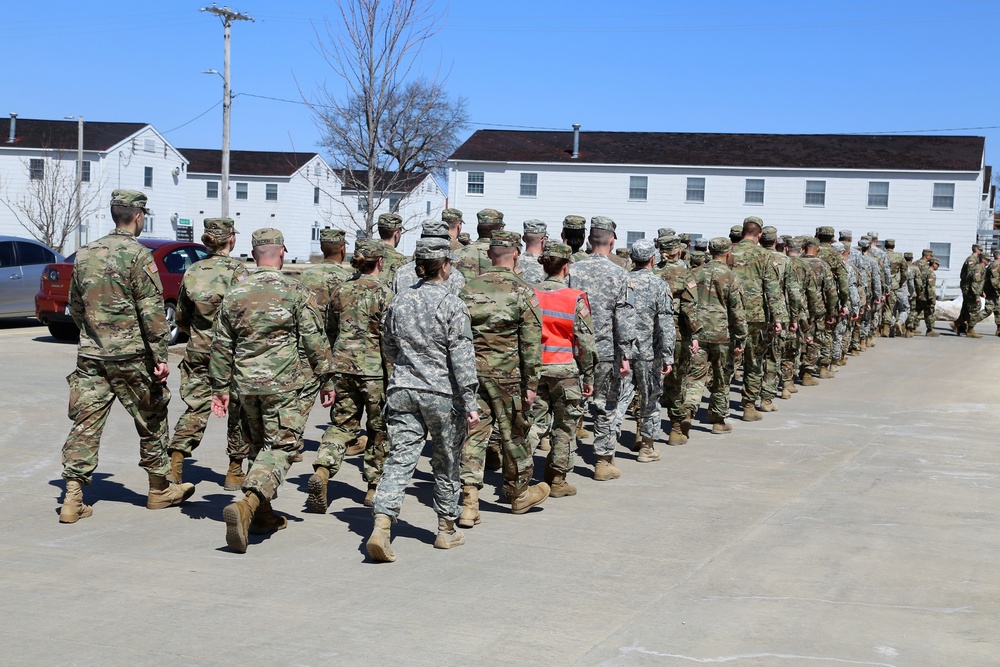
[490, 349]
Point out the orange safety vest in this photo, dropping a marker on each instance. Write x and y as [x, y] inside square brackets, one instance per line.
[558, 314]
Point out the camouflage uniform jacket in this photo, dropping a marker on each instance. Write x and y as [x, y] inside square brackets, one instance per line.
[970, 261]
[201, 293]
[324, 279]
[620, 261]
[897, 269]
[116, 299]
[678, 277]
[911, 280]
[854, 281]
[827, 285]
[810, 292]
[429, 340]
[885, 271]
[655, 334]
[930, 284]
[790, 288]
[529, 269]
[506, 326]
[976, 281]
[878, 276]
[864, 269]
[611, 305]
[393, 260]
[761, 284]
[720, 304]
[836, 263]
[472, 259]
[584, 348]
[578, 256]
[991, 286]
[261, 327]
[354, 326]
[406, 276]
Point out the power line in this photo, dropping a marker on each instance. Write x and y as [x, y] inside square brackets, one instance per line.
[195, 118]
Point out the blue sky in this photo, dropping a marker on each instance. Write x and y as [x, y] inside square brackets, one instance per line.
[722, 66]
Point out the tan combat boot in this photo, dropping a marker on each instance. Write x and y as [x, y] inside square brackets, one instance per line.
[378, 546]
[235, 475]
[358, 447]
[605, 469]
[470, 507]
[265, 521]
[750, 413]
[719, 425]
[582, 433]
[841, 362]
[871, 341]
[370, 495]
[316, 502]
[909, 333]
[932, 333]
[73, 509]
[785, 394]
[529, 497]
[559, 487]
[686, 422]
[864, 344]
[767, 405]
[809, 380]
[972, 334]
[676, 436]
[238, 516]
[647, 453]
[790, 386]
[448, 536]
[176, 474]
[164, 494]
[544, 444]
[825, 373]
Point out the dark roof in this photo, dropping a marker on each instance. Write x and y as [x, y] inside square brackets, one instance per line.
[62, 134]
[796, 151]
[385, 181]
[245, 163]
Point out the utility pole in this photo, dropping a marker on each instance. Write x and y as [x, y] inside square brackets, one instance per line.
[228, 16]
[79, 177]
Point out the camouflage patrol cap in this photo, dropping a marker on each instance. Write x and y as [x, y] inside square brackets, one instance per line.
[603, 222]
[934, 260]
[332, 235]
[826, 231]
[504, 239]
[685, 238]
[433, 249]
[390, 221]
[926, 251]
[808, 241]
[464, 238]
[909, 255]
[793, 243]
[622, 252]
[890, 243]
[490, 217]
[451, 215]
[720, 245]
[753, 218]
[130, 198]
[642, 250]
[701, 244]
[736, 230]
[535, 226]
[864, 243]
[838, 246]
[665, 231]
[873, 235]
[670, 242]
[560, 250]
[769, 234]
[267, 236]
[574, 222]
[996, 252]
[434, 229]
[367, 249]
[845, 235]
[220, 228]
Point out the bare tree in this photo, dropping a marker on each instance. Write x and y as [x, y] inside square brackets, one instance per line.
[47, 206]
[387, 123]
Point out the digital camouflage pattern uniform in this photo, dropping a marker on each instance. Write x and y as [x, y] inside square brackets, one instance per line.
[844, 328]
[528, 267]
[406, 275]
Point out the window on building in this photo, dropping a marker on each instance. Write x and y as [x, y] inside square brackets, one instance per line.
[147, 226]
[85, 171]
[638, 188]
[632, 237]
[944, 198]
[943, 252]
[878, 194]
[815, 193]
[271, 192]
[476, 183]
[211, 189]
[695, 190]
[149, 145]
[394, 203]
[147, 177]
[428, 208]
[529, 185]
[36, 168]
[315, 195]
[315, 232]
[754, 193]
[363, 204]
[242, 192]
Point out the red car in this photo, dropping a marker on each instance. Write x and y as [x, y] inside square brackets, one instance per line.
[172, 259]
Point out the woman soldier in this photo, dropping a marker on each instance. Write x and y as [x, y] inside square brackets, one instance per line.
[568, 352]
[432, 389]
[354, 318]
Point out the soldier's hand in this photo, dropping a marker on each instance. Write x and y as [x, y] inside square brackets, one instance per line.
[529, 396]
[160, 372]
[667, 368]
[326, 397]
[809, 340]
[220, 404]
[625, 369]
[831, 320]
[695, 349]
[588, 390]
[777, 327]
[472, 421]
[737, 350]
[793, 327]
[843, 311]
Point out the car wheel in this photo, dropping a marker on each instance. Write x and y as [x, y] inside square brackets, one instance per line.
[64, 331]
[175, 334]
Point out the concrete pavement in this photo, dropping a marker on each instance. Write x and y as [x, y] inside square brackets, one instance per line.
[858, 525]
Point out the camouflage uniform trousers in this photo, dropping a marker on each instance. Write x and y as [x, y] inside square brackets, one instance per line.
[607, 387]
[901, 306]
[559, 400]
[820, 351]
[356, 394]
[992, 308]
[695, 380]
[972, 315]
[774, 353]
[196, 391]
[93, 387]
[888, 315]
[274, 423]
[753, 361]
[500, 407]
[719, 360]
[912, 319]
[841, 331]
[924, 311]
[675, 385]
[626, 396]
[409, 415]
[648, 383]
[307, 398]
[792, 356]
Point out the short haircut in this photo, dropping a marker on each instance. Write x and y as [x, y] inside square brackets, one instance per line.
[486, 231]
[385, 233]
[601, 236]
[122, 215]
[502, 252]
[750, 228]
[329, 248]
[532, 238]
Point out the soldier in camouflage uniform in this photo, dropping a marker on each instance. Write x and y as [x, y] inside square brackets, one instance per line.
[390, 230]
[844, 329]
[661, 234]
[974, 288]
[991, 290]
[354, 328]
[927, 294]
[720, 311]
[473, 260]
[884, 312]
[201, 292]
[453, 218]
[260, 328]
[911, 281]
[811, 299]
[897, 295]
[116, 300]
[507, 337]
[612, 308]
[655, 338]
[765, 308]
[569, 355]
[871, 282]
[573, 232]
[432, 389]
[406, 275]
[819, 342]
[535, 234]
[791, 298]
[464, 239]
[835, 261]
[971, 262]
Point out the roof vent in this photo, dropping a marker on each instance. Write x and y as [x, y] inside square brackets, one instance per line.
[13, 126]
[576, 140]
